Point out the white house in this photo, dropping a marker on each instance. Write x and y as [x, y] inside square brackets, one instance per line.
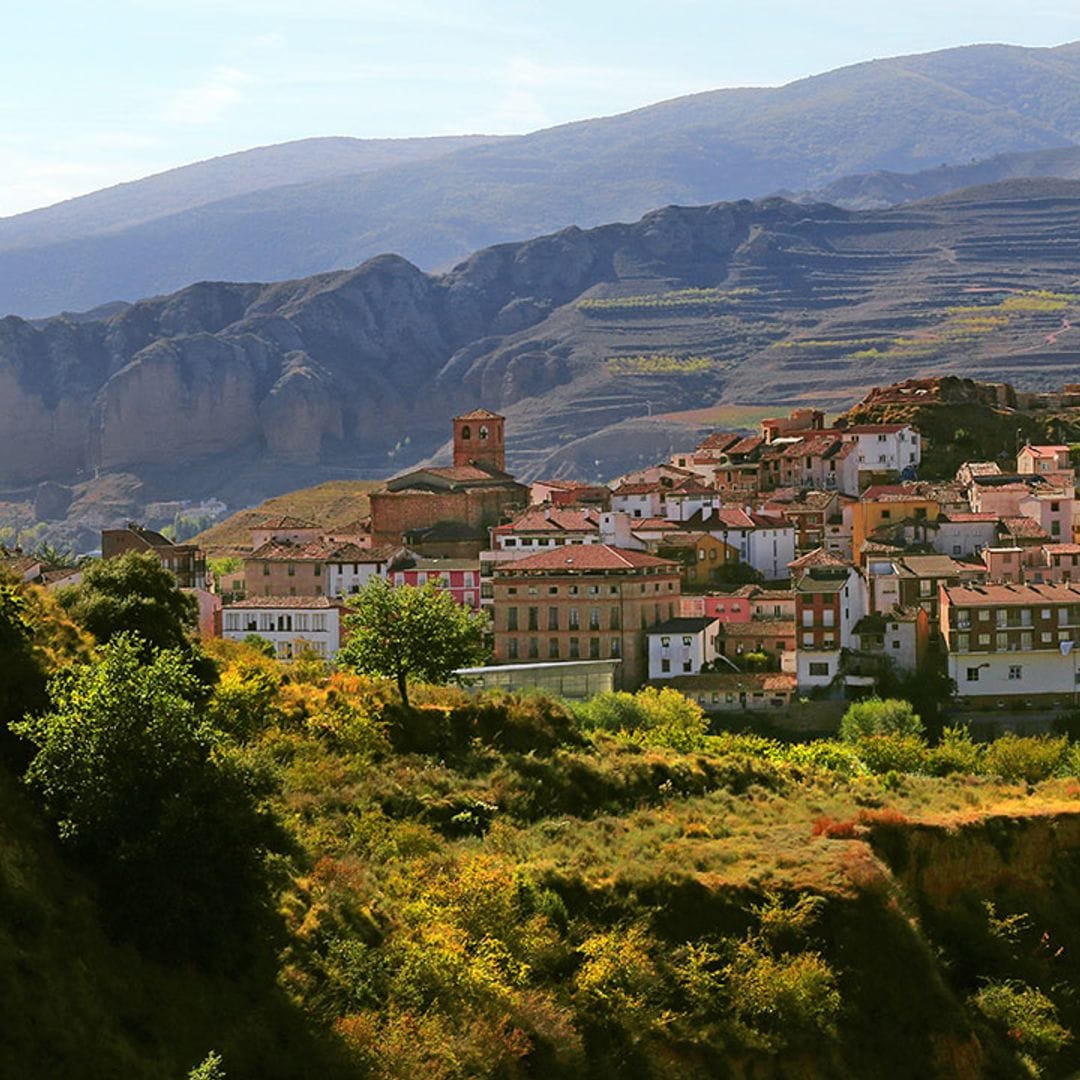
[883, 447]
[292, 624]
[349, 567]
[682, 646]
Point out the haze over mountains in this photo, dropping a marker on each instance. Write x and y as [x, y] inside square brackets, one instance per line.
[307, 207]
[574, 335]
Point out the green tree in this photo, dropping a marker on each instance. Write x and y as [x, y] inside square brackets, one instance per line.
[133, 593]
[20, 676]
[879, 716]
[411, 633]
[142, 789]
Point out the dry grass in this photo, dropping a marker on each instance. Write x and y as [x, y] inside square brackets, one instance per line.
[332, 505]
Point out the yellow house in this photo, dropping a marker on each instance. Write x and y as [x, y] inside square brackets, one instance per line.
[887, 504]
[699, 554]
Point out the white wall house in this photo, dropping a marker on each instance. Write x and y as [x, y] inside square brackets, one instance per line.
[682, 646]
[885, 446]
[354, 567]
[769, 548]
[292, 624]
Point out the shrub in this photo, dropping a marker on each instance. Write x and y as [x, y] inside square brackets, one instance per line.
[826, 754]
[1025, 757]
[877, 716]
[782, 997]
[892, 753]
[956, 752]
[1027, 1015]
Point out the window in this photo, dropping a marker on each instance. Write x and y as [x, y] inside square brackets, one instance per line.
[511, 618]
[266, 569]
[615, 618]
[512, 649]
[292, 570]
[534, 648]
[318, 569]
[575, 648]
[594, 648]
[553, 648]
[1016, 671]
[616, 647]
[688, 641]
[808, 640]
[688, 666]
[574, 619]
[594, 618]
[553, 618]
[534, 618]
[553, 590]
[665, 665]
[819, 669]
[973, 674]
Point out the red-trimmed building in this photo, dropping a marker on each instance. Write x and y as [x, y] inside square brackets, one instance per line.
[582, 602]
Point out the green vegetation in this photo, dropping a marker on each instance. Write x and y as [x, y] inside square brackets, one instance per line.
[298, 869]
[411, 633]
[689, 301]
[659, 364]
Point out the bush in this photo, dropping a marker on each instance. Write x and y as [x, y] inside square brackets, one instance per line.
[1027, 1015]
[956, 752]
[651, 717]
[877, 716]
[892, 753]
[1025, 757]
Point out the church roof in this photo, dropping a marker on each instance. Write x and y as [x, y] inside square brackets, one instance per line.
[480, 414]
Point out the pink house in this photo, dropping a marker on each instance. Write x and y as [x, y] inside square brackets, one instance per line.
[461, 577]
[725, 607]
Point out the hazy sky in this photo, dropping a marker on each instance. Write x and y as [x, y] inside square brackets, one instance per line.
[91, 95]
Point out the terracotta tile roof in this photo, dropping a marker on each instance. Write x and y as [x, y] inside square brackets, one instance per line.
[1020, 595]
[320, 551]
[746, 445]
[1045, 451]
[1062, 549]
[759, 628]
[285, 522]
[875, 429]
[553, 520]
[893, 493]
[1024, 528]
[480, 414]
[268, 602]
[817, 557]
[720, 440]
[967, 518]
[586, 557]
[775, 682]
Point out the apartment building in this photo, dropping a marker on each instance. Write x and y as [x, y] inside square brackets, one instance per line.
[1012, 645]
[583, 602]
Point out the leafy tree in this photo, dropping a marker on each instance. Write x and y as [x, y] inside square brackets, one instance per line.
[879, 716]
[141, 789]
[411, 633]
[133, 593]
[20, 676]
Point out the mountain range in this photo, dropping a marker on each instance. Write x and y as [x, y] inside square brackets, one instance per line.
[593, 342]
[323, 204]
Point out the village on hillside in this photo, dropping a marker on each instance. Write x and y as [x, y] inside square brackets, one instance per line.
[759, 572]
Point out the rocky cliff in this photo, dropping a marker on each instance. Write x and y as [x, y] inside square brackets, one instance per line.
[358, 372]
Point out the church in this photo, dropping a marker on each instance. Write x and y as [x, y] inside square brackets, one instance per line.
[446, 511]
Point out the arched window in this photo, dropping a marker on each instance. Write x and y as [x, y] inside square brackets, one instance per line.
[483, 431]
[466, 432]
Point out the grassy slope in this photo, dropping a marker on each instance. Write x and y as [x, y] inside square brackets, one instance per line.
[332, 505]
[78, 1005]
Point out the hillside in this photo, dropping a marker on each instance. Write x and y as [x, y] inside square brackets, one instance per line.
[335, 505]
[241, 391]
[871, 191]
[897, 114]
[501, 887]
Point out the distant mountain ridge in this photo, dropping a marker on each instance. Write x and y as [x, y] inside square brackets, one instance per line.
[583, 338]
[897, 114]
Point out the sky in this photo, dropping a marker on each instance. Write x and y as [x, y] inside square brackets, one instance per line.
[94, 95]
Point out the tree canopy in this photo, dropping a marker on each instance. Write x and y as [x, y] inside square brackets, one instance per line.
[406, 632]
[133, 593]
[140, 786]
[878, 716]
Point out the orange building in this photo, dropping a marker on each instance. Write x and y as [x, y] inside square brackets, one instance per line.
[583, 602]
